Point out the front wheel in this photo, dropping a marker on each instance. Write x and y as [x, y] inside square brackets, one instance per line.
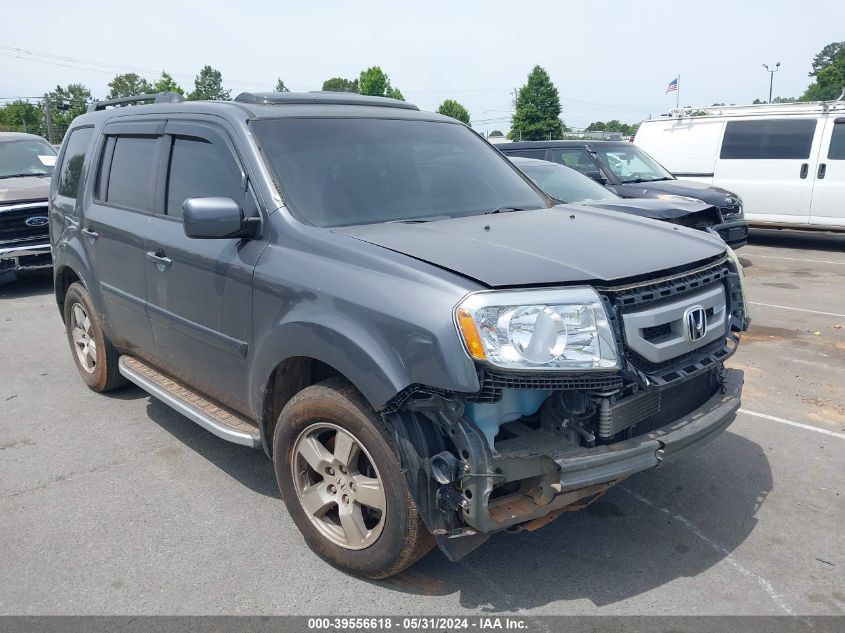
[342, 483]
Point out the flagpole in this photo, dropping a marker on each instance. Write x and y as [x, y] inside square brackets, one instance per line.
[678, 93]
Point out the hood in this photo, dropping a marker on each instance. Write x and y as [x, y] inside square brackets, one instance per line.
[654, 208]
[689, 188]
[546, 246]
[27, 189]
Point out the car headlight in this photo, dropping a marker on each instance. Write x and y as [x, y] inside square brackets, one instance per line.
[538, 329]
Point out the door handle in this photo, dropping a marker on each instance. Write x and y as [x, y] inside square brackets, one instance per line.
[805, 169]
[822, 170]
[90, 233]
[158, 258]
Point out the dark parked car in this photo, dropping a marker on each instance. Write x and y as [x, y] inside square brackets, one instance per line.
[26, 164]
[425, 345]
[631, 173]
[569, 186]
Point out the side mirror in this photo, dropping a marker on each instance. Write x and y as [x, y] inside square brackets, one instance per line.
[216, 218]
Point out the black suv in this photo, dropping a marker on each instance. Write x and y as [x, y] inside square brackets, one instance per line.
[629, 172]
[427, 348]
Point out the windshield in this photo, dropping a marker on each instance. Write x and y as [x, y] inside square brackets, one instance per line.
[563, 183]
[339, 172]
[631, 164]
[26, 158]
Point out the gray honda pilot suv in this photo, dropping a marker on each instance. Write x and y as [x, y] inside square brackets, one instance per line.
[428, 349]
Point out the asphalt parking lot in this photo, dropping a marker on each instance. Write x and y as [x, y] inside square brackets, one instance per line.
[117, 505]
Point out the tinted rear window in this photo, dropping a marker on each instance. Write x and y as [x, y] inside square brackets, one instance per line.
[132, 166]
[526, 153]
[768, 139]
[199, 169]
[74, 157]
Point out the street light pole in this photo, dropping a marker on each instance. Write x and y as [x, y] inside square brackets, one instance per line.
[771, 77]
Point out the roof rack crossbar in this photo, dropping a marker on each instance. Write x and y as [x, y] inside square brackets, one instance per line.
[159, 97]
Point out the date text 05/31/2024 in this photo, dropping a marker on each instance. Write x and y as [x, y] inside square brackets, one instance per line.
[423, 623]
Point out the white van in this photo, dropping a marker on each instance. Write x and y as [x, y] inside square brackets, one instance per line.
[786, 161]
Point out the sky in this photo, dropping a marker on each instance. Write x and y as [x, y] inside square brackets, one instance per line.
[609, 60]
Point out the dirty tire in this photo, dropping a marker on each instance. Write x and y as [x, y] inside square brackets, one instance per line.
[403, 539]
[103, 375]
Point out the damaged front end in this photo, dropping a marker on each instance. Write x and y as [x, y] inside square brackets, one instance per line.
[530, 445]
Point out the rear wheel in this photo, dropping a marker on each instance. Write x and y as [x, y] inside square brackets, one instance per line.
[95, 357]
[343, 485]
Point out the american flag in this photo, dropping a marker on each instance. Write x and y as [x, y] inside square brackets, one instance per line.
[673, 85]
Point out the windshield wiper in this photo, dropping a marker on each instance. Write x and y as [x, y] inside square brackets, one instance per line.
[504, 210]
[431, 218]
[639, 180]
[29, 173]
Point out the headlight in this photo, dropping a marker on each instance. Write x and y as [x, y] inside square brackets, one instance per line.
[538, 329]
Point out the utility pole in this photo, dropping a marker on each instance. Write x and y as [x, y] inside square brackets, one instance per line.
[48, 119]
[771, 77]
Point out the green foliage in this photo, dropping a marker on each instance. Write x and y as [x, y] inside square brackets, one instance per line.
[339, 84]
[166, 83]
[280, 86]
[829, 70]
[375, 82]
[208, 86]
[452, 108]
[20, 116]
[127, 85]
[65, 105]
[495, 134]
[826, 56]
[627, 129]
[537, 105]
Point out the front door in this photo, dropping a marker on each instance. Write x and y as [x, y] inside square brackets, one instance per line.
[200, 291]
[829, 189]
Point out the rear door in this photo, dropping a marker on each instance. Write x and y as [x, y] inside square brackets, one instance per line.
[200, 291]
[828, 207]
[114, 229]
[771, 164]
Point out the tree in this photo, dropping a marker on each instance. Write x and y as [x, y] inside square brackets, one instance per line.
[375, 82]
[495, 134]
[208, 85]
[166, 83]
[826, 57]
[537, 105]
[280, 86]
[127, 85]
[452, 108]
[65, 104]
[829, 70]
[339, 84]
[22, 116]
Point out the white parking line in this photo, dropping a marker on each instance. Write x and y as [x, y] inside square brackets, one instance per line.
[799, 425]
[771, 305]
[798, 259]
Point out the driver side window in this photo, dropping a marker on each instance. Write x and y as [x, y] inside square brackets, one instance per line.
[200, 169]
[576, 158]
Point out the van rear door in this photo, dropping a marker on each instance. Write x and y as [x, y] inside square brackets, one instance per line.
[828, 208]
[771, 163]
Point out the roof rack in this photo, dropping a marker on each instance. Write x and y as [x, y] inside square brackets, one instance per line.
[759, 108]
[327, 98]
[159, 97]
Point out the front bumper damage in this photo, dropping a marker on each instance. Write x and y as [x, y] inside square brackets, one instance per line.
[24, 258]
[461, 512]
